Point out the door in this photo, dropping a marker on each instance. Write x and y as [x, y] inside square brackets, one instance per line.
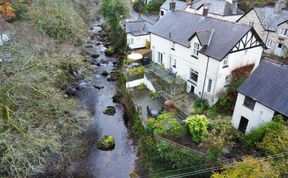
[243, 124]
[279, 50]
[192, 89]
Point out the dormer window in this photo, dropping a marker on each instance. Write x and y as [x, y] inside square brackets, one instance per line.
[195, 51]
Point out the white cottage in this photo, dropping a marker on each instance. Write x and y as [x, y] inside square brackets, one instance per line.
[137, 33]
[262, 96]
[221, 9]
[203, 51]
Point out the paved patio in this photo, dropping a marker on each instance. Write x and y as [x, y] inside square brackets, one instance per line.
[142, 99]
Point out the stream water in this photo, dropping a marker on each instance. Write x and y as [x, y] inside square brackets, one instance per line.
[119, 162]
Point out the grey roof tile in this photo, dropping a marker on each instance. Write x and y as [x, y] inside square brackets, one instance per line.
[180, 5]
[268, 85]
[269, 19]
[137, 28]
[180, 26]
[219, 7]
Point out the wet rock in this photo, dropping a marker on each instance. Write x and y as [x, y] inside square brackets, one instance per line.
[95, 55]
[105, 73]
[98, 87]
[110, 110]
[116, 98]
[98, 44]
[70, 91]
[109, 51]
[89, 46]
[106, 143]
[114, 75]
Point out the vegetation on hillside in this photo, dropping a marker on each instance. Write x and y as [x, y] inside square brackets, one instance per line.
[38, 123]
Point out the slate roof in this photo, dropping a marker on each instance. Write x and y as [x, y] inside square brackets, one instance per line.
[180, 27]
[269, 19]
[218, 7]
[180, 5]
[137, 28]
[268, 85]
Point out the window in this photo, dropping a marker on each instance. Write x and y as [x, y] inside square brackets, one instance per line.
[280, 45]
[251, 24]
[196, 47]
[160, 57]
[161, 13]
[209, 86]
[193, 76]
[227, 80]
[225, 62]
[174, 63]
[173, 46]
[249, 103]
[283, 32]
[270, 43]
[131, 41]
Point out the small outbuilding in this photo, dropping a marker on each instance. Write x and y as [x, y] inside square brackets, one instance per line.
[262, 96]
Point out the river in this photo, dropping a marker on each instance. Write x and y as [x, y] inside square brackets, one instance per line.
[119, 162]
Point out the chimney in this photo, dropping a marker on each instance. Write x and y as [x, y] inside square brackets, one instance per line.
[172, 5]
[279, 5]
[234, 6]
[205, 10]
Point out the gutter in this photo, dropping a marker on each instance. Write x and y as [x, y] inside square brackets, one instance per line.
[205, 77]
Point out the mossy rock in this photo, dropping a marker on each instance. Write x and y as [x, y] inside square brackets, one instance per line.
[110, 110]
[116, 98]
[109, 51]
[106, 143]
[105, 73]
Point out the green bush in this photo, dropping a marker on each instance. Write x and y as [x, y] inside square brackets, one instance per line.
[152, 7]
[166, 125]
[197, 125]
[256, 136]
[137, 71]
[200, 106]
[154, 95]
[142, 86]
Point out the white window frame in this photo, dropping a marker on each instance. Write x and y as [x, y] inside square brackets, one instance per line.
[227, 80]
[209, 85]
[195, 50]
[225, 62]
[190, 76]
[270, 43]
[283, 32]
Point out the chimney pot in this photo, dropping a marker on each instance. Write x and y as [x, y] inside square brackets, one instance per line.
[205, 10]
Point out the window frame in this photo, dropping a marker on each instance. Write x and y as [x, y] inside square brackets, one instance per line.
[209, 85]
[249, 103]
[225, 62]
[159, 57]
[195, 51]
[283, 32]
[193, 72]
[270, 43]
[227, 78]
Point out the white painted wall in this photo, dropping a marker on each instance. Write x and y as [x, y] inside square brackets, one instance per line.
[185, 62]
[135, 42]
[138, 82]
[260, 114]
[232, 18]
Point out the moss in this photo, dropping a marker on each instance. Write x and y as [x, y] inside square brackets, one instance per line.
[106, 143]
[110, 110]
[109, 51]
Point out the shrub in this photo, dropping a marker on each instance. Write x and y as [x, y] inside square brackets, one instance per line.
[200, 106]
[256, 136]
[197, 125]
[166, 125]
[137, 71]
[147, 44]
[154, 95]
[142, 86]
[152, 7]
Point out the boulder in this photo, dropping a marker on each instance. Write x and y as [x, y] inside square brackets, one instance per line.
[106, 143]
[104, 73]
[94, 55]
[110, 110]
[109, 51]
